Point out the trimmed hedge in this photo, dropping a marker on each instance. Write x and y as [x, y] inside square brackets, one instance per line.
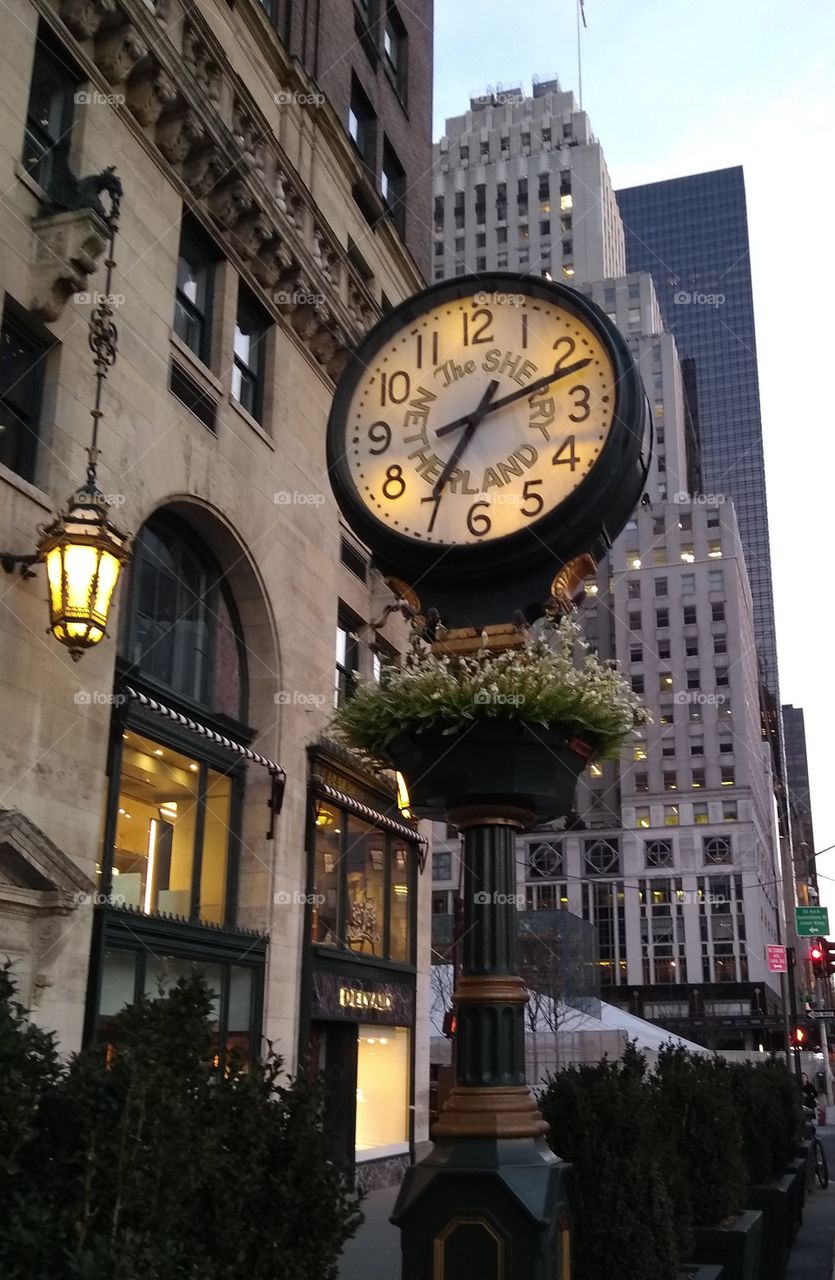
[148, 1165]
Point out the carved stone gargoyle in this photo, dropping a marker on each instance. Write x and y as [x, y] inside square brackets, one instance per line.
[71, 234]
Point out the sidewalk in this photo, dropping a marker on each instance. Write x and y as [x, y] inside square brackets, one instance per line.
[812, 1256]
[374, 1252]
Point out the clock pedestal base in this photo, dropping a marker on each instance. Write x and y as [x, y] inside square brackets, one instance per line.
[491, 1201]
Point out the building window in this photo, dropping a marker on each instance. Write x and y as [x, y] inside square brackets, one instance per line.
[668, 750]
[634, 622]
[687, 554]
[636, 653]
[689, 615]
[670, 815]
[717, 849]
[722, 677]
[396, 49]
[193, 305]
[726, 775]
[363, 886]
[601, 857]
[697, 747]
[694, 680]
[393, 186]
[698, 779]
[717, 613]
[720, 644]
[184, 630]
[633, 590]
[716, 580]
[670, 782]
[21, 385]
[700, 816]
[173, 838]
[442, 865]
[347, 657]
[664, 650]
[248, 368]
[362, 125]
[665, 681]
[545, 860]
[637, 684]
[641, 782]
[662, 618]
[714, 549]
[383, 1084]
[49, 115]
[660, 586]
[642, 819]
[729, 811]
[688, 584]
[659, 853]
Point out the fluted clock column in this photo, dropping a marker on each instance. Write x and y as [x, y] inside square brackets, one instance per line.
[490, 1097]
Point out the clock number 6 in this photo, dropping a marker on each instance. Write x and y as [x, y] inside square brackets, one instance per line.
[379, 433]
[478, 522]
[394, 485]
[529, 496]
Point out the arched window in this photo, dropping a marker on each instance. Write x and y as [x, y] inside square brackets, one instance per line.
[182, 629]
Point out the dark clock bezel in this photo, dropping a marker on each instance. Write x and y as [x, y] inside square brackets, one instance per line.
[588, 519]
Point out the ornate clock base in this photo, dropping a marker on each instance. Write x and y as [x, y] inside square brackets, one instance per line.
[487, 1209]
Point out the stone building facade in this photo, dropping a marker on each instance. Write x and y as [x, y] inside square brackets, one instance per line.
[143, 829]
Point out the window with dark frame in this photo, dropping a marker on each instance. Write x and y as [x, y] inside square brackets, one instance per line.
[396, 49]
[362, 125]
[251, 327]
[393, 186]
[22, 360]
[363, 886]
[49, 114]
[193, 305]
[347, 656]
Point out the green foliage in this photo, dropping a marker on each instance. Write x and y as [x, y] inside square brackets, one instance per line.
[150, 1166]
[602, 1122]
[699, 1124]
[543, 683]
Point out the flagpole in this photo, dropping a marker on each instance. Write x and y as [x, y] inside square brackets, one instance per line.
[579, 58]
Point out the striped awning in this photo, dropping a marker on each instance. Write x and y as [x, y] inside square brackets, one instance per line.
[202, 730]
[323, 788]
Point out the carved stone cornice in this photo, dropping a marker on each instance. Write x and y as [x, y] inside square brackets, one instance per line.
[200, 116]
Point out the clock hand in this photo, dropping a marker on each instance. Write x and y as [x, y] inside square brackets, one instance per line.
[472, 420]
[519, 395]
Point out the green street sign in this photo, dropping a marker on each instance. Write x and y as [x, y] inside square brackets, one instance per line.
[812, 921]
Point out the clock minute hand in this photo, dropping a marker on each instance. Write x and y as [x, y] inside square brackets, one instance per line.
[523, 394]
[472, 420]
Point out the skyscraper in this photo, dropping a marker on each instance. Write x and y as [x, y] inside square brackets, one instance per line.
[800, 810]
[691, 235]
[672, 853]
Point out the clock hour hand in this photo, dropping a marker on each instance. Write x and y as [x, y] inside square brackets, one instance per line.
[523, 394]
[472, 420]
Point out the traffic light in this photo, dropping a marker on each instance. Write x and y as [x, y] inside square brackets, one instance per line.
[828, 957]
[799, 1037]
[816, 955]
[450, 1024]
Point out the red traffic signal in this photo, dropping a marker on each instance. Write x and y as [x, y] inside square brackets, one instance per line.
[822, 956]
[799, 1036]
[450, 1023]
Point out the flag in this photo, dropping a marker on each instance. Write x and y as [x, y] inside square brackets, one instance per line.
[582, 8]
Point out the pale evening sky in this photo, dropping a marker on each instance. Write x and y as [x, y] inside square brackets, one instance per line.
[674, 88]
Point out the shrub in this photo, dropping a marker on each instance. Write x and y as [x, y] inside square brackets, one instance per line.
[698, 1125]
[147, 1165]
[601, 1122]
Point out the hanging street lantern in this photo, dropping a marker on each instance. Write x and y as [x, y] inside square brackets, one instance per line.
[82, 549]
[84, 553]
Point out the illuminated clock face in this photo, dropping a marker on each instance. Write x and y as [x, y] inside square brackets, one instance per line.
[477, 418]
